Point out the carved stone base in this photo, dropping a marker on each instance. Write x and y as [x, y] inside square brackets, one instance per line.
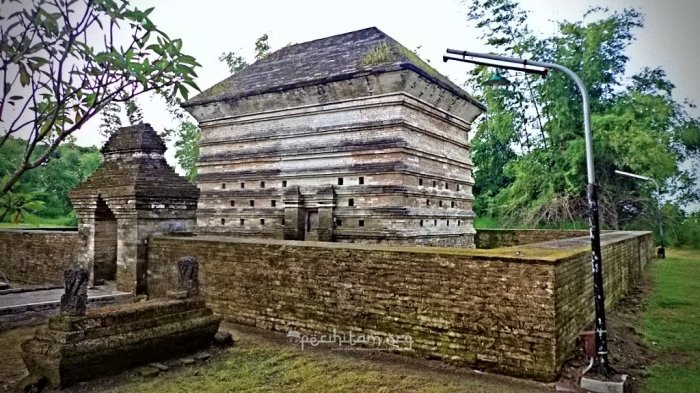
[112, 339]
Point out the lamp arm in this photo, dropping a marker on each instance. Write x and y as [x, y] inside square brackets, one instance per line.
[590, 167]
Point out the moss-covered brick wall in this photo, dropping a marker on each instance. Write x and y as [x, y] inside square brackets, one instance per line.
[493, 238]
[515, 310]
[37, 256]
[511, 310]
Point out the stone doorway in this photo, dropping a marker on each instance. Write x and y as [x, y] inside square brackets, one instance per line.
[105, 262]
[311, 227]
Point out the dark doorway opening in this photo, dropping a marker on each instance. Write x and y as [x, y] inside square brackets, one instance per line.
[311, 225]
[105, 263]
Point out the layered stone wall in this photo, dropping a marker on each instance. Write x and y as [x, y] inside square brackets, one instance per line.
[37, 256]
[512, 310]
[387, 168]
[515, 310]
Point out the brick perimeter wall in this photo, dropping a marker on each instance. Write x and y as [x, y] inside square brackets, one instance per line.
[478, 308]
[493, 238]
[508, 310]
[37, 256]
[493, 314]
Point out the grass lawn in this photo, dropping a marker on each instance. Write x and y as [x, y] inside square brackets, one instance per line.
[266, 362]
[41, 222]
[672, 323]
[261, 363]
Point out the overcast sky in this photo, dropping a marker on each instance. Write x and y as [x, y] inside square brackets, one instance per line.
[210, 27]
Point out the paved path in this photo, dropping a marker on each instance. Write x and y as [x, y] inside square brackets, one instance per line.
[46, 295]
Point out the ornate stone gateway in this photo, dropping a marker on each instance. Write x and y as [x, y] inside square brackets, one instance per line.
[133, 195]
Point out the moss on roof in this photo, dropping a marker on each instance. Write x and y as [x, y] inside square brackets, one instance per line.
[380, 54]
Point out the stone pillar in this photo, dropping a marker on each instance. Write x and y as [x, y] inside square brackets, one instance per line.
[145, 229]
[325, 201]
[86, 236]
[127, 253]
[293, 214]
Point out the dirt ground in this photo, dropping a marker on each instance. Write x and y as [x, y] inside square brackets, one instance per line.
[11, 366]
[628, 352]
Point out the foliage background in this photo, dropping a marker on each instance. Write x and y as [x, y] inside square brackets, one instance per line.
[48, 183]
[529, 148]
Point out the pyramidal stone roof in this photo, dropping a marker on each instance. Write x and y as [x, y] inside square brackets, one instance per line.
[137, 138]
[134, 165]
[324, 60]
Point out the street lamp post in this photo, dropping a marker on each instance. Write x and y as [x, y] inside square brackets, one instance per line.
[662, 251]
[541, 68]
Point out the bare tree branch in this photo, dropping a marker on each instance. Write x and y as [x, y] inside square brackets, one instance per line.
[56, 77]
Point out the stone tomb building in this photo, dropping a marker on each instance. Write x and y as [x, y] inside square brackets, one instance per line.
[349, 138]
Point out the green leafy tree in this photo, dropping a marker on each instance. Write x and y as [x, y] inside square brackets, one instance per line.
[63, 61]
[133, 112]
[262, 47]
[50, 183]
[110, 119]
[186, 137]
[236, 62]
[529, 148]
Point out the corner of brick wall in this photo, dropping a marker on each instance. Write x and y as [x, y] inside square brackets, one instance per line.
[624, 261]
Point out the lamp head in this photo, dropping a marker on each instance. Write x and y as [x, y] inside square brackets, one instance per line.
[496, 80]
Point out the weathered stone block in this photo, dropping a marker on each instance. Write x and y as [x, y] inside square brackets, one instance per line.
[74, 300]
[188, 269]
[111, 339]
